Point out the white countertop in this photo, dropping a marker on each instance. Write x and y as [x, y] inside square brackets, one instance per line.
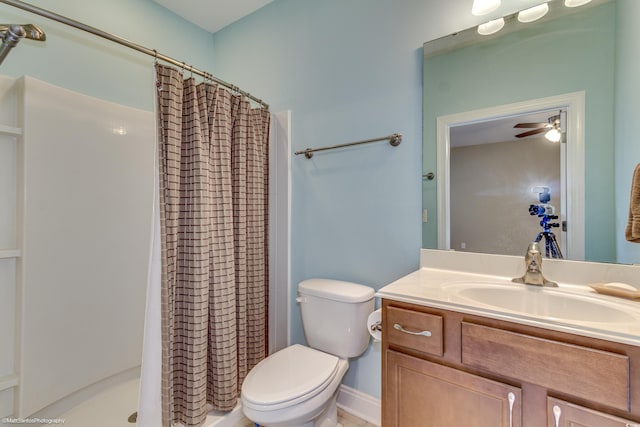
[440, 288]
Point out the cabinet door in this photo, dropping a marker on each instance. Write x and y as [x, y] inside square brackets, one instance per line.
[564, 414]
[418, 393]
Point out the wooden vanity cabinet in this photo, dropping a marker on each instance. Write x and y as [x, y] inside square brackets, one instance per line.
[419, 393]
[443, 368]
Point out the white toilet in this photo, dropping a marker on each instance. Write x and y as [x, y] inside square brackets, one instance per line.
[298, 386]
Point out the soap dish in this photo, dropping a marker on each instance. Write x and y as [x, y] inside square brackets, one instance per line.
[621, 290]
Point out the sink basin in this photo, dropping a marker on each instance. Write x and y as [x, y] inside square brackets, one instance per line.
[544, 302]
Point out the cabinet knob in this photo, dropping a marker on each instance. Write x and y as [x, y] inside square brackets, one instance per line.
[399, 327]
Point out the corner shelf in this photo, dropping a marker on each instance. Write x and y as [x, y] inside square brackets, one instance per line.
[10, 130]
[8, 382]
[9, 253]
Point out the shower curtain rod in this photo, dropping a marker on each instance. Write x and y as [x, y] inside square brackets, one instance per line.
[151, 52]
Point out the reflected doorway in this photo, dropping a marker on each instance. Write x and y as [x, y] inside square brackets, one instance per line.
[506, 184]
[566, 191]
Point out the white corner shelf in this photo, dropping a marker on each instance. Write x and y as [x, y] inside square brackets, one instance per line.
[10, 130]
[9, 253]
[8, 382]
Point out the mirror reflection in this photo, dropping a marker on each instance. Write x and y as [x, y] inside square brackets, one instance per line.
[569, 51]
[518, 190]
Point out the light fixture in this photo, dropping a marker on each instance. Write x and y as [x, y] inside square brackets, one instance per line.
[575, 3]
[491, 27]
[553, 135]
[482, 7]
[533, 13]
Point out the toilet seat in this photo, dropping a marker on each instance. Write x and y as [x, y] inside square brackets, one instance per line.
[287, 377]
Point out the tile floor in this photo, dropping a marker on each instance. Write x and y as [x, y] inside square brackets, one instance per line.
[344, 418]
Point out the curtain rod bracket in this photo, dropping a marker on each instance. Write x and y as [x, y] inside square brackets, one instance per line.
[395, 139]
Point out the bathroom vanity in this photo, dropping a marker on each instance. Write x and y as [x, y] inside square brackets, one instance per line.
[468, 349]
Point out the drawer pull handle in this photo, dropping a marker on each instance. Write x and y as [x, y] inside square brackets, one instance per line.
[556, 413]
[512, 399]
[401, 329]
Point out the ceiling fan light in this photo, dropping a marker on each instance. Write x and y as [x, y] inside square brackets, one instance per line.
[533, 13]
[491, 27]
[575, 3]
[553, 135]
[482, 7]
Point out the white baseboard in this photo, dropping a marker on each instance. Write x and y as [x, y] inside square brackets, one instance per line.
[360, 404]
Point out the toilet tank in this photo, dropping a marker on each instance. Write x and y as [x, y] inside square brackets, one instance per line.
[334, 315]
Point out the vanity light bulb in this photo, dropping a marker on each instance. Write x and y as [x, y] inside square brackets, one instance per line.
[533, 13]
[491, 27]
[482, 7]
[553, 135]
[575, 3]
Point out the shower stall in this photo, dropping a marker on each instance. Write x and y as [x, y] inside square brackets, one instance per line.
[80, 235]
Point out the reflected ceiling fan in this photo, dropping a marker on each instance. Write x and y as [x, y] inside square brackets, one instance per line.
[551, 129]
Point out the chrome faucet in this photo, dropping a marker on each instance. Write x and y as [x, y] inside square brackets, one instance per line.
[533, 274]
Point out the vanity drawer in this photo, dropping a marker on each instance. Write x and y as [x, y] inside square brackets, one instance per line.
[404, 327]
[583, 372]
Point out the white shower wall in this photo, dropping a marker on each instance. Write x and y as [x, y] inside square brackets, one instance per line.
[87, 178]
[10, 141]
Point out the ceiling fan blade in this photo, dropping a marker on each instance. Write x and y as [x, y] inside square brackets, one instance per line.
[532, 125]
[531, 132]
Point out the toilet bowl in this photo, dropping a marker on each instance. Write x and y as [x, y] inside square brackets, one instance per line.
[298, 385]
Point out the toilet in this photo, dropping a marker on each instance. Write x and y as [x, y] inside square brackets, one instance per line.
[298, 385]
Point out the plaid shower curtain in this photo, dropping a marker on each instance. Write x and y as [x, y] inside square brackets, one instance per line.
[213, 165]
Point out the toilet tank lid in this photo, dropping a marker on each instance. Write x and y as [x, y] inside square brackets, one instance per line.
[336, 290]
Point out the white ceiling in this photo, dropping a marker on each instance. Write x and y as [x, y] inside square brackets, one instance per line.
[213, 15]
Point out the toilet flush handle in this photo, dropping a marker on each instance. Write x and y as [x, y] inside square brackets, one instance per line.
[301, 300]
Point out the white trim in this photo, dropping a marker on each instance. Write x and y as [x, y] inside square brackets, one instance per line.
[360, 404]
[575, 104]
[279, 230]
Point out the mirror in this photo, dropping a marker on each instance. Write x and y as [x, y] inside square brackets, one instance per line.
[572, 60]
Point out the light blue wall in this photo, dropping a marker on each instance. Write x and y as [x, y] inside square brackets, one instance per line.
[569, 54]
[627, 114]
[348, 70]
[79, 61]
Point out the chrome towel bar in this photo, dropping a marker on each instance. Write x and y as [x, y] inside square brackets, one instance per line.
[393, 139]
